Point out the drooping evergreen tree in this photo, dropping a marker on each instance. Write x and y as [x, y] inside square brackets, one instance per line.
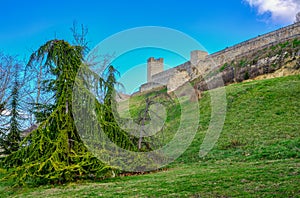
[54, 151]
[109, 123]
[110, 84]
[10, 138]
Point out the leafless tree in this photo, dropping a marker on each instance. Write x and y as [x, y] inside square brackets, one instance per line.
[79, 35]
[30, 79]
[6, 75]
[35, 75]
[10, 70]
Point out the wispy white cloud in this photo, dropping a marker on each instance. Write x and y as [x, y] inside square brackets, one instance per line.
[278, 11]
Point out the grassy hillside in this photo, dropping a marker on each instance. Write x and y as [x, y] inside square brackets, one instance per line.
[257, 154]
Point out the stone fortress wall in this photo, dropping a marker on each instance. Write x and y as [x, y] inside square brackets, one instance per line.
[201, 63]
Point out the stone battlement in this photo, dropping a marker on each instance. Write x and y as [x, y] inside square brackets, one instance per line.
[259, 42]
[152, 59]
[201, 63]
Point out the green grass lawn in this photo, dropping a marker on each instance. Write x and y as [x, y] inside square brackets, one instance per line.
[257, 154]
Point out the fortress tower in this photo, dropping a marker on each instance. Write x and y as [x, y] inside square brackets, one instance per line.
[154, 66]
[201, 63]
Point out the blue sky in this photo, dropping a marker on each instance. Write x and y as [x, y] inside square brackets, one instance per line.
[25, 25]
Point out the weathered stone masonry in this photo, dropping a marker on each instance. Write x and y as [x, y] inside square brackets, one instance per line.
[201, 63]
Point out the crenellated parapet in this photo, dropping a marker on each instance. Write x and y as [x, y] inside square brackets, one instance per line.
[201, 63]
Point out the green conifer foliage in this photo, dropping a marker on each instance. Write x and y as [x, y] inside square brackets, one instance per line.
[10, 138]
[54, 152]
[109, 124]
